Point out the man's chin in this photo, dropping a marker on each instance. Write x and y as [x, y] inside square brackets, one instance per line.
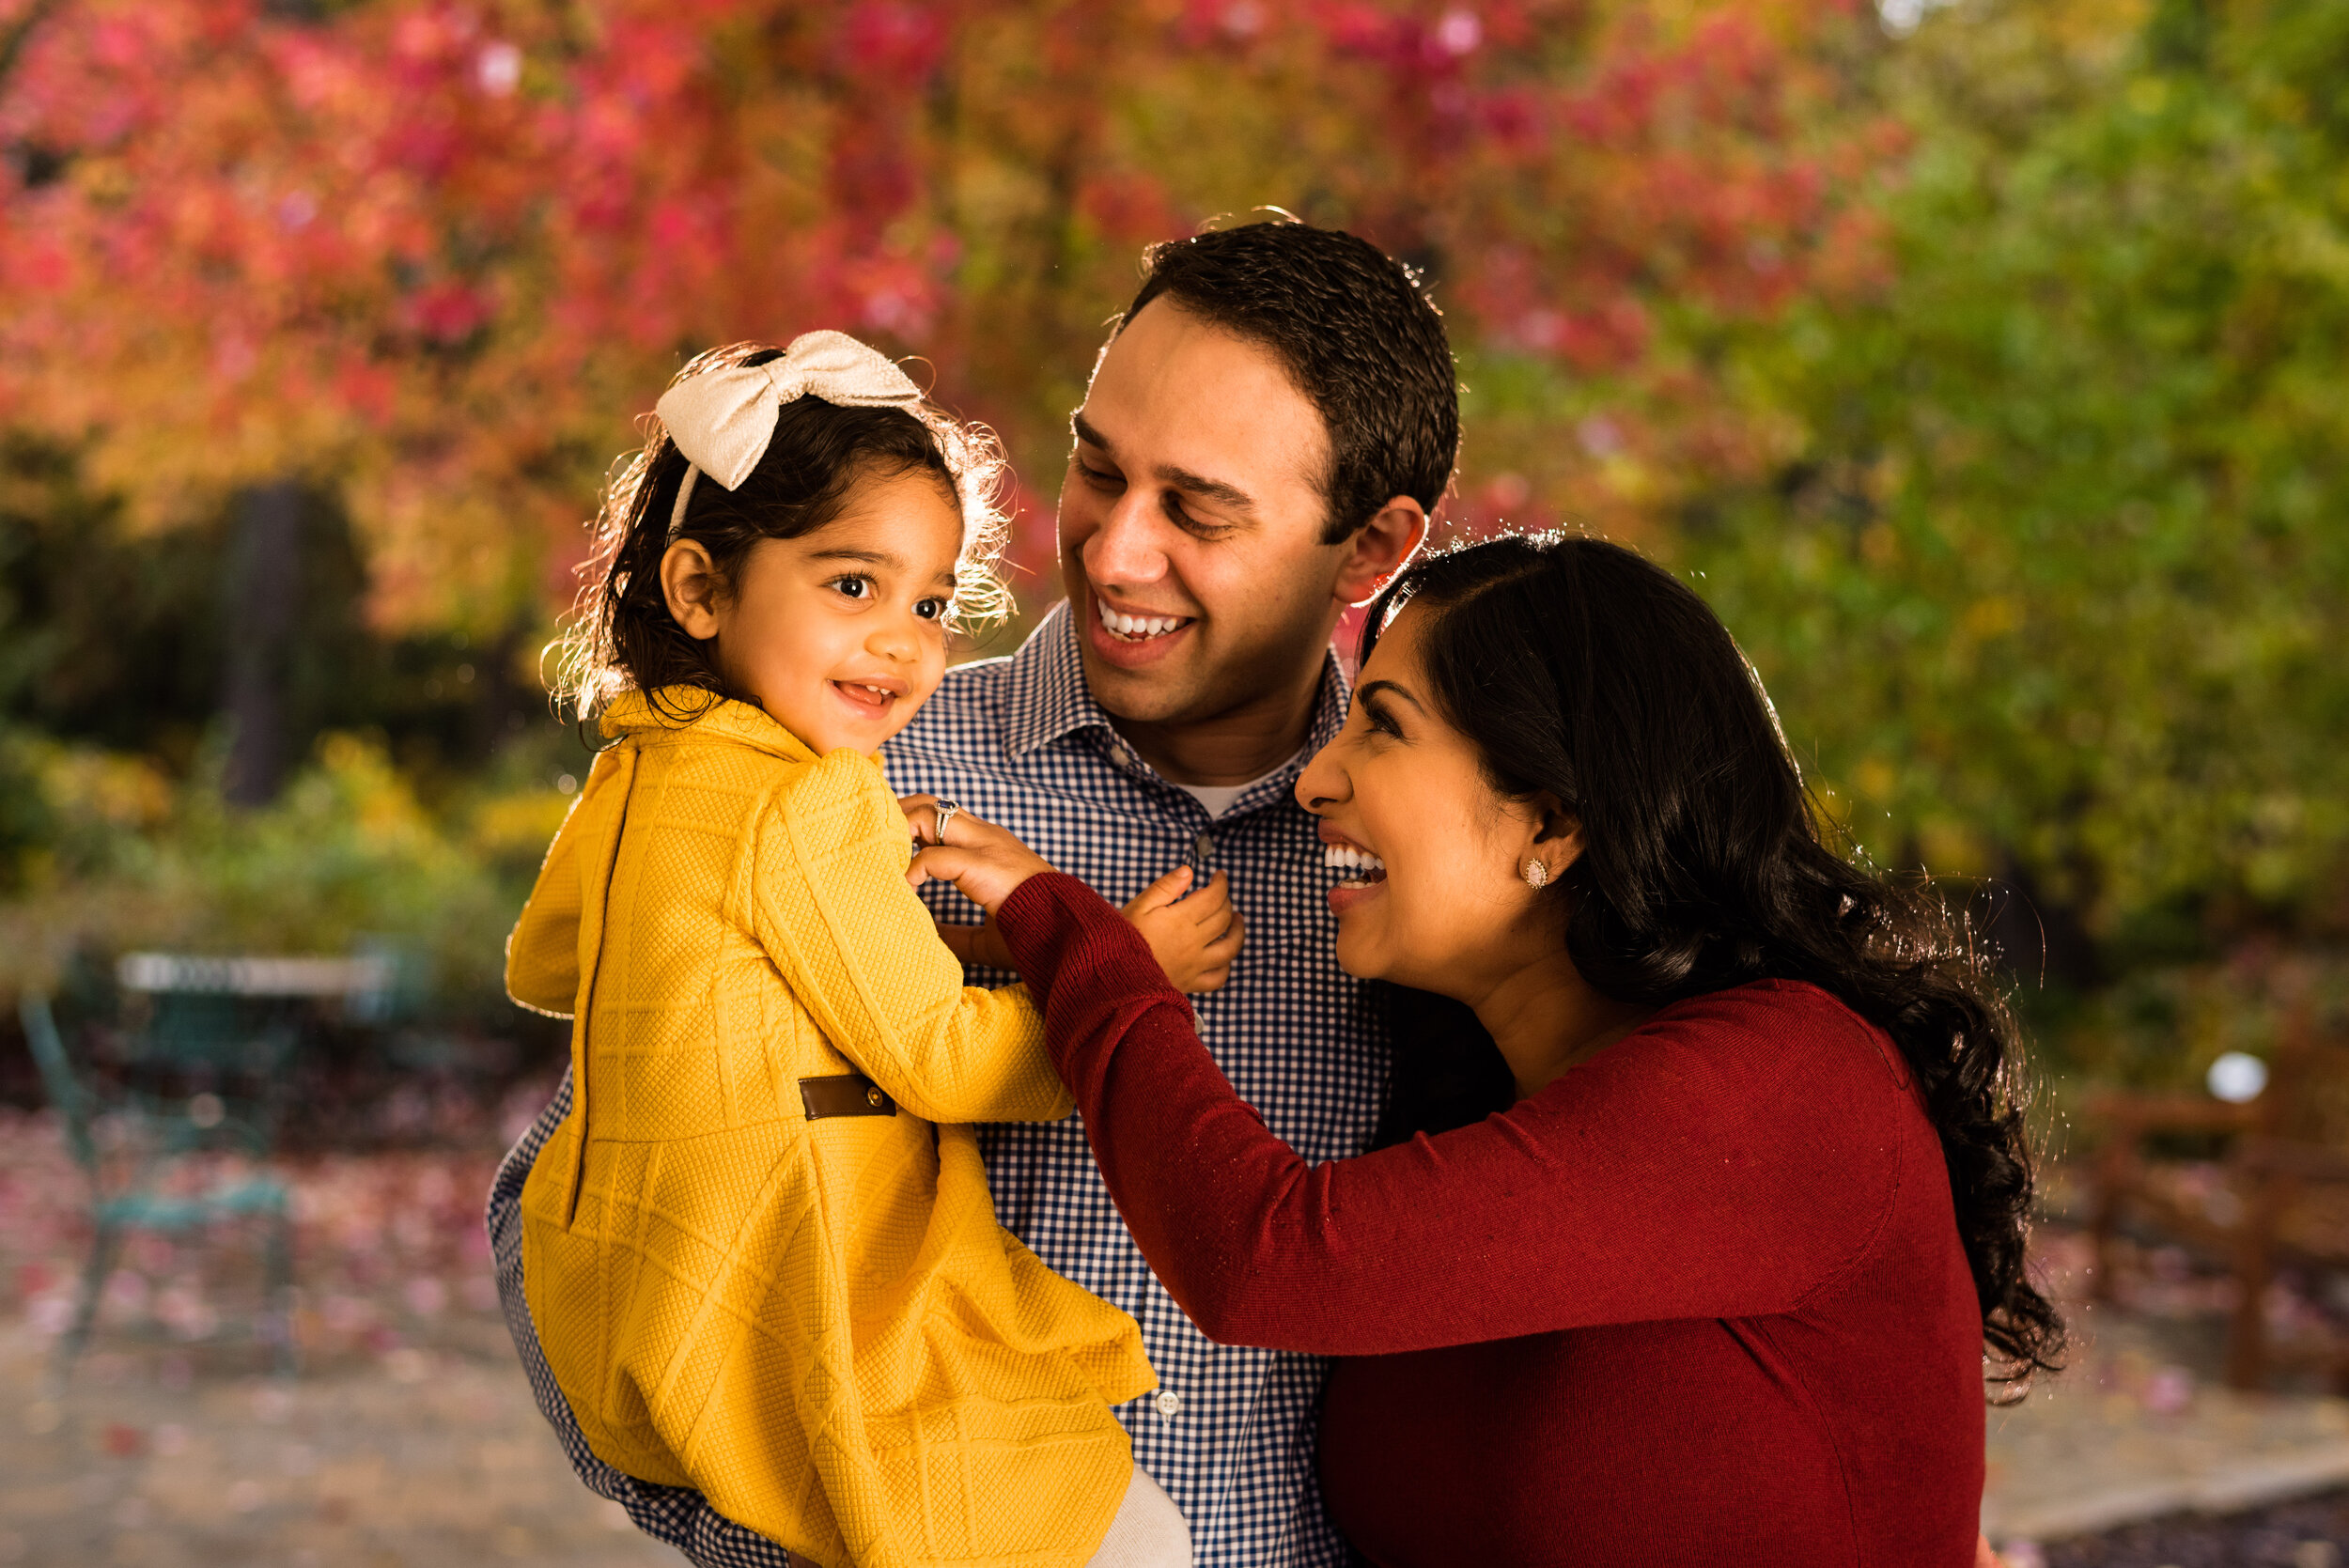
[1155, 694]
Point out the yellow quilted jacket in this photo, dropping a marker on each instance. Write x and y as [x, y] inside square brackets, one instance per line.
[815, 1322]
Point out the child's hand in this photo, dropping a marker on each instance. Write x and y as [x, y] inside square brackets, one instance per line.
[984, 862]
[1195, 939]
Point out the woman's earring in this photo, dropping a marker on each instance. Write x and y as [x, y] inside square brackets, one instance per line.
[1536, 873]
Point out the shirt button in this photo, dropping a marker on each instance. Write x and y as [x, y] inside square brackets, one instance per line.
[1170, 1404]
[1205, 846]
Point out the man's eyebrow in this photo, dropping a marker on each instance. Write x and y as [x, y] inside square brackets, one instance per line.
[1381, 688]
[1182, 480]
[1211, 490]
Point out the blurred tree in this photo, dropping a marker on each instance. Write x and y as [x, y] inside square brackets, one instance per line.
[1987, 376]
[434, 255]
[121, 641]
[2053, 585]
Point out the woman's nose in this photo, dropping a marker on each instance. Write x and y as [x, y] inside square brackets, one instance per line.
[1323, 784]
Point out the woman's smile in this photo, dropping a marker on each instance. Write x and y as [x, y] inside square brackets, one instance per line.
[1366, 876]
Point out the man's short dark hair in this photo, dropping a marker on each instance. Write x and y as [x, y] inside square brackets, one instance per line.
[1356, 331]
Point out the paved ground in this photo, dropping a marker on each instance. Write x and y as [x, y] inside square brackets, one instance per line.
[436, 1457]
[2307, 1532]
[408, 1439]
[2138, 1428]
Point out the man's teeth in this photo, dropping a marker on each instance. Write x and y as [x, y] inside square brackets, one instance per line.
[1137, 625]
[1344, 857]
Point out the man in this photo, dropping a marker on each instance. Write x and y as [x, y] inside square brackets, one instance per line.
[1267, 432]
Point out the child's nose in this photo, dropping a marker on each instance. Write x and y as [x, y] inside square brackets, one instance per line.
[894, 640]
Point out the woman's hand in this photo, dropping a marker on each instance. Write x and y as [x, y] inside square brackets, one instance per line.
[984, 862]
[1195, 939]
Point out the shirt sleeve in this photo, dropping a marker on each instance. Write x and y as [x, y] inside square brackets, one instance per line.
[856, 947]
[1714, 1163]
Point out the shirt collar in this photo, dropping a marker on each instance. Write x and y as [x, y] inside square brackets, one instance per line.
[703, 714]
[1047, 696]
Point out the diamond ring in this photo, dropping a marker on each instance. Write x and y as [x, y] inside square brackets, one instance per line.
[947, 812]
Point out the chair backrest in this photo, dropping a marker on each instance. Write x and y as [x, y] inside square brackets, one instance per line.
[2307, 1098]
[205, 1033]
[66, 1091]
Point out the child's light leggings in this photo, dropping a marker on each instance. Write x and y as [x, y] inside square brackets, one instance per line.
[1148, 1531]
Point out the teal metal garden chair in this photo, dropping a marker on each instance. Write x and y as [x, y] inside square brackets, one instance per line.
[136, 1148]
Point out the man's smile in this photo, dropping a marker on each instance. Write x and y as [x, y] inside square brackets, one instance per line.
[1137, 627]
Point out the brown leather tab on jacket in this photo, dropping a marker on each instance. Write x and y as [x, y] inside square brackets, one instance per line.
[845, 1094]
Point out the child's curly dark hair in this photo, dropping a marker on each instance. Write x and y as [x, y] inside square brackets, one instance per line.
[623, 638]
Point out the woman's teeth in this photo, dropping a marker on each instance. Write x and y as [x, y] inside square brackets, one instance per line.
[1344, 857]
[1136, 628]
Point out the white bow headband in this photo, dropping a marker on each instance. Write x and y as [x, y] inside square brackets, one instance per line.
[722, 419]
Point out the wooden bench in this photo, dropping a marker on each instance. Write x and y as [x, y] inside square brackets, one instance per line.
[2280, 1196]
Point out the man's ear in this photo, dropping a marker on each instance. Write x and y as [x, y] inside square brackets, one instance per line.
[1379, 548]
[690, 582]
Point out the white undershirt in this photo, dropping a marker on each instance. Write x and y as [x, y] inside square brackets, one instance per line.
[1217, 799]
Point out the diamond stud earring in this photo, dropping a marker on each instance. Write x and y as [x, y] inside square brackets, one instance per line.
[1536, 873]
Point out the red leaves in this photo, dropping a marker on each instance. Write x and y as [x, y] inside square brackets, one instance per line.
[435, 249]
[447, 312]
[1131, 209]
[893, 48]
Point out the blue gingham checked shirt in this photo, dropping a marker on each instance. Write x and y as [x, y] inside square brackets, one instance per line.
[1230, 1434]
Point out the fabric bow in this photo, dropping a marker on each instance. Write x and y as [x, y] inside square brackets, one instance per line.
[721, 420]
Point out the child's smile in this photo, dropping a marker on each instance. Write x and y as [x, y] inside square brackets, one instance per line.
[871, 698]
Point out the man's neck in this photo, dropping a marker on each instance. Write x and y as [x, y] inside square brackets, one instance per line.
[1234, 747]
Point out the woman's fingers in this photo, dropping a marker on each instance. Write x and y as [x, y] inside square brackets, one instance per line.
[985, 871]
[921, 813]
[976, 945]
[938, 862]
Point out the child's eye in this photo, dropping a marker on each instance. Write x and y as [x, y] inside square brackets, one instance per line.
[854, 586]
[934, 609]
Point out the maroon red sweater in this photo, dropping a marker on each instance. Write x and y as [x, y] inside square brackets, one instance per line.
[1700, 1301]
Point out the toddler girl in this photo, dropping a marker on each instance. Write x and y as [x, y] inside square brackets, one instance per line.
[760, 1254]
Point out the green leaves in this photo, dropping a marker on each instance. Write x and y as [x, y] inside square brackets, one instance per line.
[2058, 572]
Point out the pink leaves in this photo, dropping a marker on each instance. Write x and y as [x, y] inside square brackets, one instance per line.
[253, 222]
[1131, 209]
[894, 47]
[447, 312]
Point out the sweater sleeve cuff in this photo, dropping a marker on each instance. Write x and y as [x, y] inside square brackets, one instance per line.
[1048, 916]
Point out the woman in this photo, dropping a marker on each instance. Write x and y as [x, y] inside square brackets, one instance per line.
[1711, 1281]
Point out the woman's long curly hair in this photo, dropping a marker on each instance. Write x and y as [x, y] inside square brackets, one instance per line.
[623, 638]
[1582, 670]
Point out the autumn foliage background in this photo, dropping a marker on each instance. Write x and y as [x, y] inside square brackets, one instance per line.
[1982, 363]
